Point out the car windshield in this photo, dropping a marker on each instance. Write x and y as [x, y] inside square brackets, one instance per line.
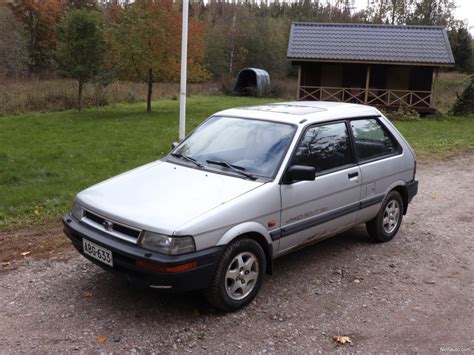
[249, 146]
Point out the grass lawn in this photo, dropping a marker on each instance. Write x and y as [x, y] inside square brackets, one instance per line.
[46, 158]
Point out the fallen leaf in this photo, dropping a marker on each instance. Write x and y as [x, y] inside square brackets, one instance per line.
[87, 294]
[356, 281]
[341, 339]
[434, 197]
[101, 340]
[5, 264]
[25, 253]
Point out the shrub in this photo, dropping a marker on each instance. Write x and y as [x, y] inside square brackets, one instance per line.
[465, 102]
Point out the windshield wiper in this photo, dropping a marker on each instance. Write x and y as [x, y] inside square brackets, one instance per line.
[236, 168]
[185, 157]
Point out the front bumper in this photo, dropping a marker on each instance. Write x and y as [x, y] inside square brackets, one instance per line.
[125, 256]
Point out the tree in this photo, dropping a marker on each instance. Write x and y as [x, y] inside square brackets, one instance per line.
[81, 4]
[432, 13]
[145, 42]
[13, 44]
[460, 40]
[80, 51]
[40, 19]
[464, 104]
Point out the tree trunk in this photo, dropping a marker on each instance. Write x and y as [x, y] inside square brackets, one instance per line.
[150, 90]
[79, 98]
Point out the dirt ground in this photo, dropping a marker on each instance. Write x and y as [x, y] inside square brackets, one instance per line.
[414, 294]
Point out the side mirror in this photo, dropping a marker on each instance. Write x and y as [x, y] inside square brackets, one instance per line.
[299, 173]
[174, 145]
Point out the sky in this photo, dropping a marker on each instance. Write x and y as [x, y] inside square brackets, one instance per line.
[464, 11]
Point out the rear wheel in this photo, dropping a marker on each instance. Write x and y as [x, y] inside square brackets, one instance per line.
[239, 275]
[387, 222]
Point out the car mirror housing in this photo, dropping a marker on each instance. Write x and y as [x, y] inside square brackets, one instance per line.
[299, 173]
[174, 145]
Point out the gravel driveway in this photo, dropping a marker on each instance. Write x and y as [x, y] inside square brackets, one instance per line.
[413, 294]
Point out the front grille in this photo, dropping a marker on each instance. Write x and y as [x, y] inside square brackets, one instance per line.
[110, 226]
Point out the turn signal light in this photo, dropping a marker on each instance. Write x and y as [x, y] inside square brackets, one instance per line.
[168, 269]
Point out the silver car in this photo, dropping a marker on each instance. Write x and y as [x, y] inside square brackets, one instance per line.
[245, 187]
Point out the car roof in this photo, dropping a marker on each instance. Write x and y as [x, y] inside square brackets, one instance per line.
[301, 111]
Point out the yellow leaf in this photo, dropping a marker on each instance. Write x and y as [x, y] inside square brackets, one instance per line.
[434, 197]
[25, 253]
[341, 339]
[87, 294]
[101, 340]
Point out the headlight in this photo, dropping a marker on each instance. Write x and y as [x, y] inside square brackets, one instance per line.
[167, 245]
[76, 210]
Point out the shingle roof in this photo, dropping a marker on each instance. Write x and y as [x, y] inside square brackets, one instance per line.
[370, 43]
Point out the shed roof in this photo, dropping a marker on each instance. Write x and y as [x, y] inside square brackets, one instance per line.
[369, 43]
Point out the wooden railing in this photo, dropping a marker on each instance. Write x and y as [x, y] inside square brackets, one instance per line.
[375, 97]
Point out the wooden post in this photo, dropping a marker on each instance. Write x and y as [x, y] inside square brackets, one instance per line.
[367, 81]
[299, 83]
[433, 81]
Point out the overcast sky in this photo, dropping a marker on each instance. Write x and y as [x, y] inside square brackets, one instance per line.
[464, 11]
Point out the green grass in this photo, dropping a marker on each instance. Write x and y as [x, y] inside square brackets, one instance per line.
[440, 137]
[46, 158]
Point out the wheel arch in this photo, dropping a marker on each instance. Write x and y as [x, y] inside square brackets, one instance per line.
[402, 190]
[400, 187]
[255, 231]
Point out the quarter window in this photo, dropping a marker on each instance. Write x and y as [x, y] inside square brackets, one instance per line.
[371, 140]
[324, 147]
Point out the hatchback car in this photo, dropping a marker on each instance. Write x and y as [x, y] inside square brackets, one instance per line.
[244, 188]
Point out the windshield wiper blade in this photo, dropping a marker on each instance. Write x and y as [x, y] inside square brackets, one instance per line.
[185, 157]
[236, 168]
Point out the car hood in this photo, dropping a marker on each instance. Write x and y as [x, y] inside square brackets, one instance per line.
[162, 196]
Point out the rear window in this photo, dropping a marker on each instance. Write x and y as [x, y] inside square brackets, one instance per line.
[372, 140]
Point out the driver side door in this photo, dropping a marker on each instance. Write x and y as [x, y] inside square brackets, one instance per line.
[312, 210]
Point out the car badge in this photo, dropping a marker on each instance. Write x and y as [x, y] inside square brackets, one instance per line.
[108, 225]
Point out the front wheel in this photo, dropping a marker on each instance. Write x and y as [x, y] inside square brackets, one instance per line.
[387, 222]
[238, 277]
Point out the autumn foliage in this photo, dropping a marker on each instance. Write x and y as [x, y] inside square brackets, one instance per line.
[147, 35]
[40, 19]
[145, 43]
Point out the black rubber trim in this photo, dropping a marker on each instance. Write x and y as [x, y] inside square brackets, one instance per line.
[412, 189]
[326, 217]
[126, 254]
[373, 200]
[275, 234]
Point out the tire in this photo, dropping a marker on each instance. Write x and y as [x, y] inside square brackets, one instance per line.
[238, 276]
[387, 222]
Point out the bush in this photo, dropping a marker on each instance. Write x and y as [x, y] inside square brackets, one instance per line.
[465, 102]
[402, 115]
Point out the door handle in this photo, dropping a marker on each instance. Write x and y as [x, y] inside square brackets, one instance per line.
[352, 175]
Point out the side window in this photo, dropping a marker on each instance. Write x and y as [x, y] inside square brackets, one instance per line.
[324, 147]
[371, 140]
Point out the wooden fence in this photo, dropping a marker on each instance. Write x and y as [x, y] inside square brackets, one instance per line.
[376, 97]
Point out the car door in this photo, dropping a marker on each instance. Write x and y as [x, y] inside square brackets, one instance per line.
[381, 162]
[312, 210]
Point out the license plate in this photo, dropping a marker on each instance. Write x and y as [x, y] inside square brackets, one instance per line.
[97, 252]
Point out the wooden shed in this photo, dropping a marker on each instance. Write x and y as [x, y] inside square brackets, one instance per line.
[387, 66]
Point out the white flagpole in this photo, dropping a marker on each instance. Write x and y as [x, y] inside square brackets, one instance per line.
[184, 62]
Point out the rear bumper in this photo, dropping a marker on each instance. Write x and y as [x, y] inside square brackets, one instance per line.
[412, 189]
[125, 256]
